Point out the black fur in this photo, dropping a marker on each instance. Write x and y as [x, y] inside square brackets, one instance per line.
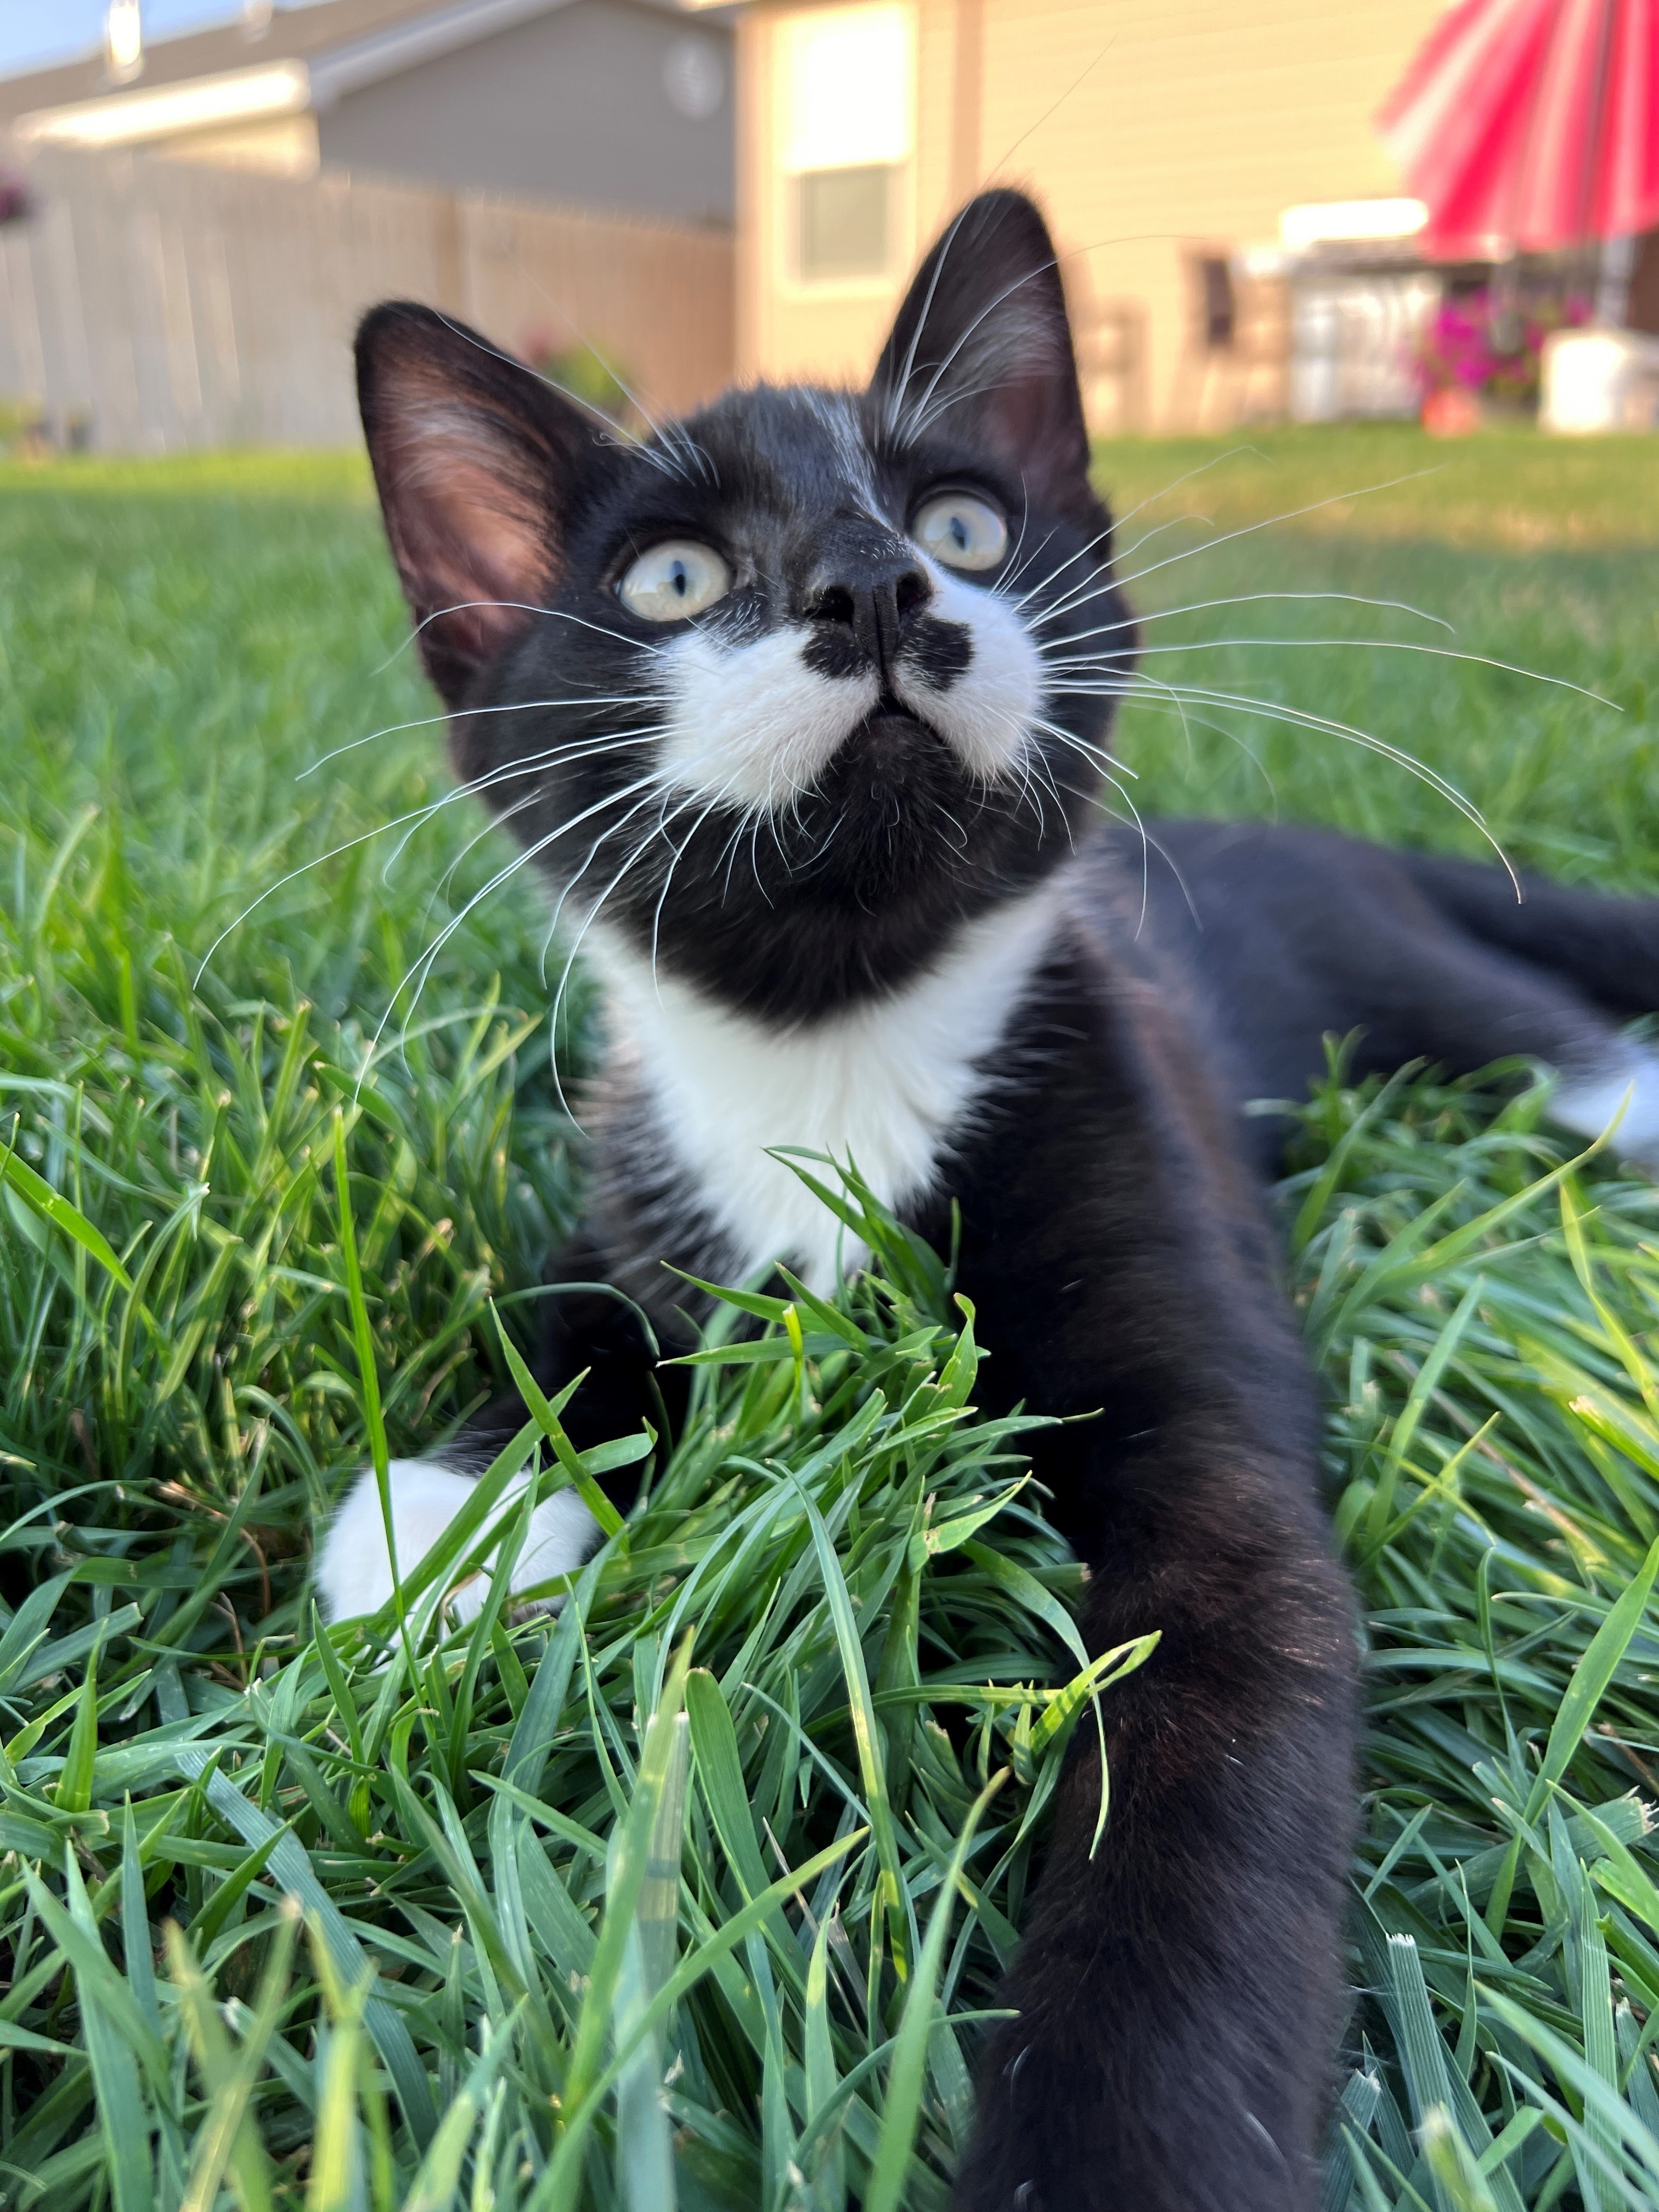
[1180, 1993]
[1287, 936]
[788, 934]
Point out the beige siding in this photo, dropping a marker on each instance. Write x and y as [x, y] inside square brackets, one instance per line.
[785, 330]
[1146, 127]
[940, 27]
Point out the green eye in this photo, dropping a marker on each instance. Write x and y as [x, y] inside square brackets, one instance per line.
[961, 531]
[673, 580]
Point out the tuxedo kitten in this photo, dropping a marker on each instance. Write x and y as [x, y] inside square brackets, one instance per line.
[800, 707]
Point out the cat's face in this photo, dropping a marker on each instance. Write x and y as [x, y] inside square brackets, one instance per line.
[780, 696]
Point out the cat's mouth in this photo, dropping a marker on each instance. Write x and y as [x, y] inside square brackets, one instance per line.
[889, 730]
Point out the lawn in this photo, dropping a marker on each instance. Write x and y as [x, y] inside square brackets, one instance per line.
[376, 1917]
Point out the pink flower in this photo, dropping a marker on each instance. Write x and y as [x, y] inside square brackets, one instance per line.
[1473, 343]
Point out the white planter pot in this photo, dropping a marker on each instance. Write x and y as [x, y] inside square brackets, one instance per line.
[1599, 380]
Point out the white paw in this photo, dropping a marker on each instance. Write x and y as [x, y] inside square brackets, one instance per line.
[1586, 1104]
[353, 1569]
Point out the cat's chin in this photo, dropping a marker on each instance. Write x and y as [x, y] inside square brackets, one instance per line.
[891, 742]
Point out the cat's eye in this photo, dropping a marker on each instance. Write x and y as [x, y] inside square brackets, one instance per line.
[674, 580]
[961, 531]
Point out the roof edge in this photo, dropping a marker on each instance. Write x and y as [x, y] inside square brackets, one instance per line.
[404, 45]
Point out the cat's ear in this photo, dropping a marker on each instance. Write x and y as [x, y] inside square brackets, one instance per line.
[472, 455]
[983, 348]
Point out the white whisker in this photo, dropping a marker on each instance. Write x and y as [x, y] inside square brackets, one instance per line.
[1158, 529]
[893, 404]
[1249, 599]
[1290, 514]
[513, 707]
[662, 896]
[639, 851]
[606, 422]
[673, 436]
[421, 970]
[1175, 482]
[573, 749]
[1128, 687]
[1386, 645]
[491, 823]
[1099, 568]
[914, 428]
[518, 606]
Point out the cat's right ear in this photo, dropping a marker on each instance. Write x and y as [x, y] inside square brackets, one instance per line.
[982, 347]
[472, 455]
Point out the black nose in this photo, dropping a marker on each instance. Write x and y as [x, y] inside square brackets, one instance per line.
[871, 592]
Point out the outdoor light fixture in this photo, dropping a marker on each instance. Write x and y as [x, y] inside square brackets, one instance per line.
[694, 77]
[124, 41]
[1329, 222]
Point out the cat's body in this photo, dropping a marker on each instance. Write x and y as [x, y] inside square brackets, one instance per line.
[840, 872]
[1259, 942]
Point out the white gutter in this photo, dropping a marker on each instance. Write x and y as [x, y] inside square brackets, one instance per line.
[128, 119]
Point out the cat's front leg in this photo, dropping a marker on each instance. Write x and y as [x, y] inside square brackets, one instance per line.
[586, 1330]
[355, 1565]
[1179, 1993]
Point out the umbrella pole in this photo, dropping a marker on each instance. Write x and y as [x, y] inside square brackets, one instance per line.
[1616, 261]
[1606, 295]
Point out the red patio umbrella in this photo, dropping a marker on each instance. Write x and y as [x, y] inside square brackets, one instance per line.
[1532, 123]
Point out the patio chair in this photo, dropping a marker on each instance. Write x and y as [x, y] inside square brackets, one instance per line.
[1109, 338]
[1235, 364]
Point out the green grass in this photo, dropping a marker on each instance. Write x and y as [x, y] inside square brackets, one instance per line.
[836, 1619]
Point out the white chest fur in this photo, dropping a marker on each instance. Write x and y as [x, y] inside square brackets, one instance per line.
[886, 1084]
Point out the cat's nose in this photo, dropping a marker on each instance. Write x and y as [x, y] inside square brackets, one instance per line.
[874, 595]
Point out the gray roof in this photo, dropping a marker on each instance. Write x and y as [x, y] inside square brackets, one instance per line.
[344, 43]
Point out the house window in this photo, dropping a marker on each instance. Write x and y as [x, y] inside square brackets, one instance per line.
[847, 96]
[844, 222]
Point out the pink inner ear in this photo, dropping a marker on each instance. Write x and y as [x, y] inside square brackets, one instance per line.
[482, 546]
[469, 531]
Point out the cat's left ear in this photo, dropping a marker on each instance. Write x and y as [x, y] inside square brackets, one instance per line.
[982, 349]
[473, 455]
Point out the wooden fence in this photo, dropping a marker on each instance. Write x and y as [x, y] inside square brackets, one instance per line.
[149, 304]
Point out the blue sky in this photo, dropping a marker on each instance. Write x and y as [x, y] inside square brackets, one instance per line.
[34, 32]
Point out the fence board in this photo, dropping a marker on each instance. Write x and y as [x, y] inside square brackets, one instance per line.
[164, 305]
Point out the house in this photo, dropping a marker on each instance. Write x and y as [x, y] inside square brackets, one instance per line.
[1234, 240]
[199, 222]
[1173, 143]
[619, 106]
